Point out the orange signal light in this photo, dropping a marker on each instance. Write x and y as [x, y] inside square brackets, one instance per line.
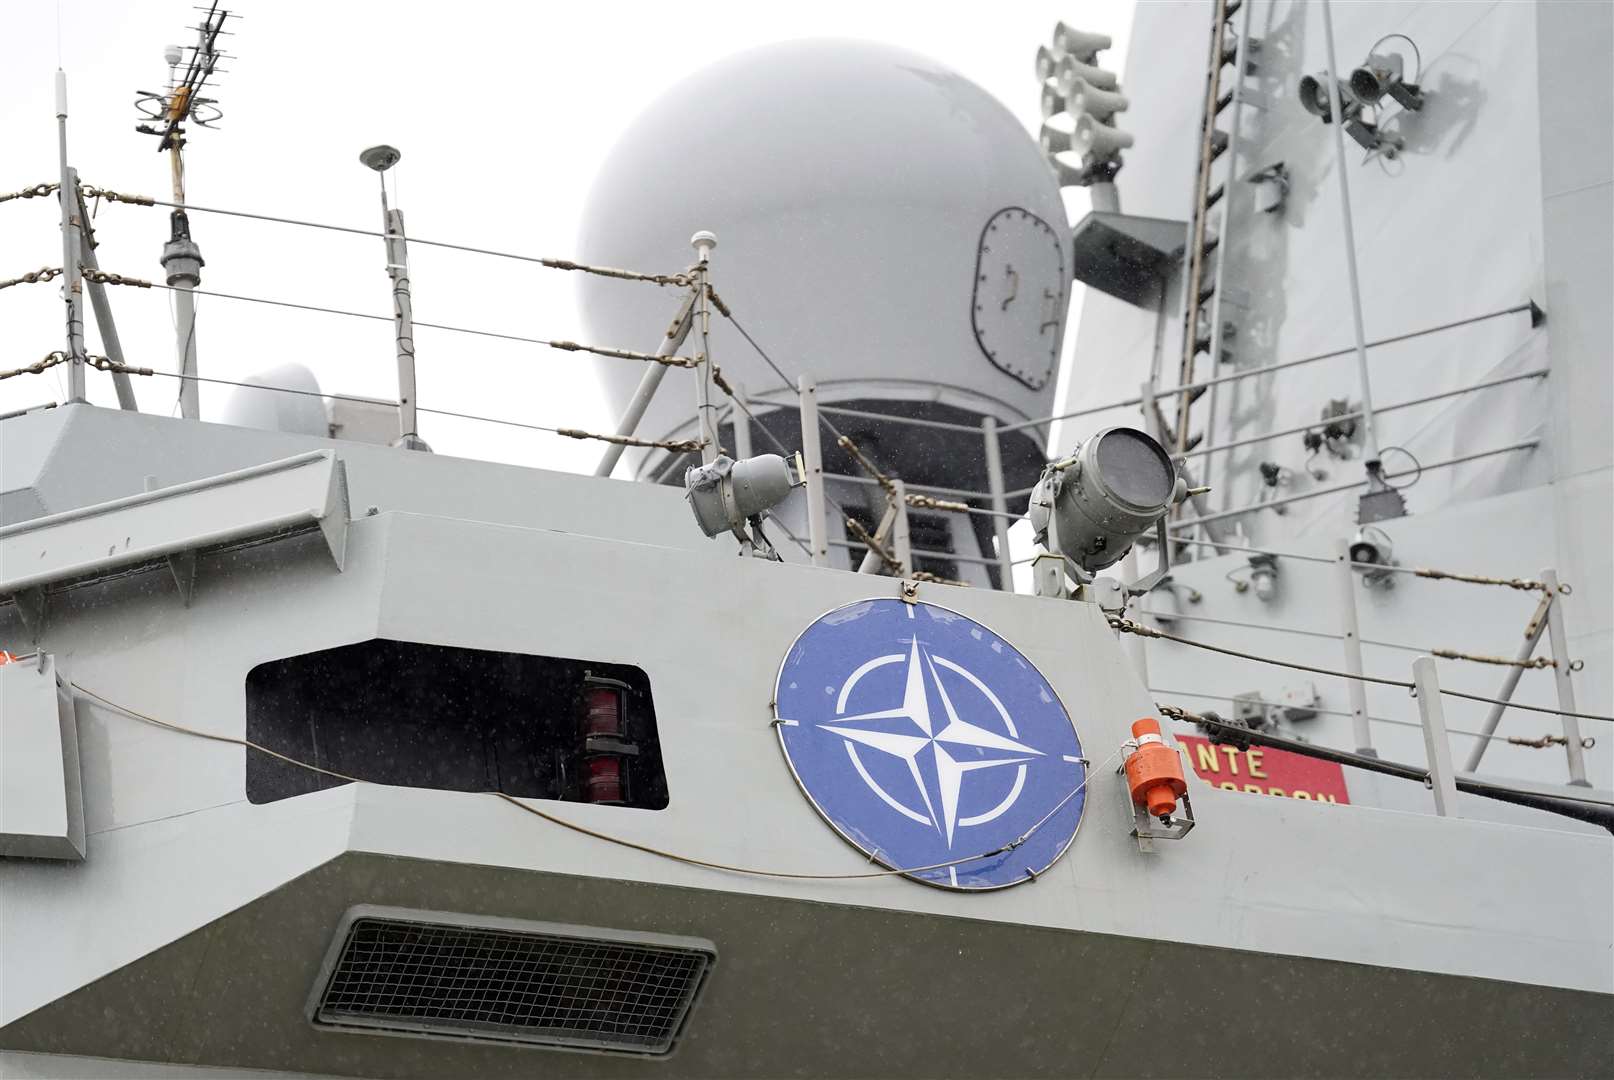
[1154, 771]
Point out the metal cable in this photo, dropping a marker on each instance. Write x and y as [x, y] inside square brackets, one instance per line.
[683, 280]
[683, 445]
[44, 273]
[36, 191]
[594, 833]
[1126, 626]
[1599, 810]
[562, 344]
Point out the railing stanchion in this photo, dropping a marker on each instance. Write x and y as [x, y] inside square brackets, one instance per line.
[994, 484]
[1558, 641]
[1353, 648]
[901, 542]
[812, 453]
[1442, 779]
[1532, 636]
[741, 419]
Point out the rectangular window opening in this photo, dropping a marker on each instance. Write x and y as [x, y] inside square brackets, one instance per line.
[454, 719]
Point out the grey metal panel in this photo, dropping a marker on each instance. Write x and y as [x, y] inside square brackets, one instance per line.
[1060, 1003]
[41, 802]
[76, 455]
[258, 501]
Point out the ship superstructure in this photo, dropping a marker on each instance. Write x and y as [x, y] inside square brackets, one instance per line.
[325, 754]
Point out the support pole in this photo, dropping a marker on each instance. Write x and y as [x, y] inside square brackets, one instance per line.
[741, 419]
[403, 324]
[1559, 642]
[1136, 646]
[901, 542]
[703, 243]
[182, 260]
[812, 453]
[1000, 505]
[1353, 648]
[1438, 747]
[103, 314]
[1532, 635]
[72, 244]
[649, 382]
[1370, 438]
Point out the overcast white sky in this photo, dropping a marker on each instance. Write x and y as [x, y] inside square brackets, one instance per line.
[503, 112]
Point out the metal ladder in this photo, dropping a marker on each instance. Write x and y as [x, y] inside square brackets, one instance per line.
[1201, 332]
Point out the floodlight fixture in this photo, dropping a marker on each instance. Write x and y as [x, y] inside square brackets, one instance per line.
[727, 495]
[1093, 505]
[1381, 74]
[1314, 97]
[1373, 552]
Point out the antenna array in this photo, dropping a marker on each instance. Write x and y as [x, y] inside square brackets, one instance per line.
[189, 69]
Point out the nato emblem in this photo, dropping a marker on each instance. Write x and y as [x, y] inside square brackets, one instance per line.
[930, 744]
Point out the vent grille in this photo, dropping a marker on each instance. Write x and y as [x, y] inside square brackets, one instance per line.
[564, 986]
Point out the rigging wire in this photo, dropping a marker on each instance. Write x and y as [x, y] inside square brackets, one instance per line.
[553, 343]
[1126, 626]
[683, 280]
[609, 838]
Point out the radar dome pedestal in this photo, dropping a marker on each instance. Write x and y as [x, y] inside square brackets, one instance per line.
[885, 226]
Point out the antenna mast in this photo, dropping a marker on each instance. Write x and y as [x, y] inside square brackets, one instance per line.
[181, 103]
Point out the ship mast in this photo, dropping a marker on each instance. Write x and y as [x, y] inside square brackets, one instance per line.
[181, 103]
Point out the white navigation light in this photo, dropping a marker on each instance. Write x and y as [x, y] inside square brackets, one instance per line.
[1098, 139]
[1092, 506]
[727, 493]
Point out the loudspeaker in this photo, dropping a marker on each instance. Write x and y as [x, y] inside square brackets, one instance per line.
[1092, 101]
[1052, 102]
[1047, 60]
[1092, 137]
[1054, 140]
[1079, 43]
[1069, 70]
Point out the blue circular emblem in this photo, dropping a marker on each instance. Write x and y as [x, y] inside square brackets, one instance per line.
[931, 744]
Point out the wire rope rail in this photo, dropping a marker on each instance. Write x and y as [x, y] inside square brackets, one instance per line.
[1444, 654]
[1536, 316]
[585, 830]
[1535, 744]
[1126, 626]
[679, 279]
[1597, 811]
[1335, 489]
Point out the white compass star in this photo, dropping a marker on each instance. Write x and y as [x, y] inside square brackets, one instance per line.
[934, 770]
